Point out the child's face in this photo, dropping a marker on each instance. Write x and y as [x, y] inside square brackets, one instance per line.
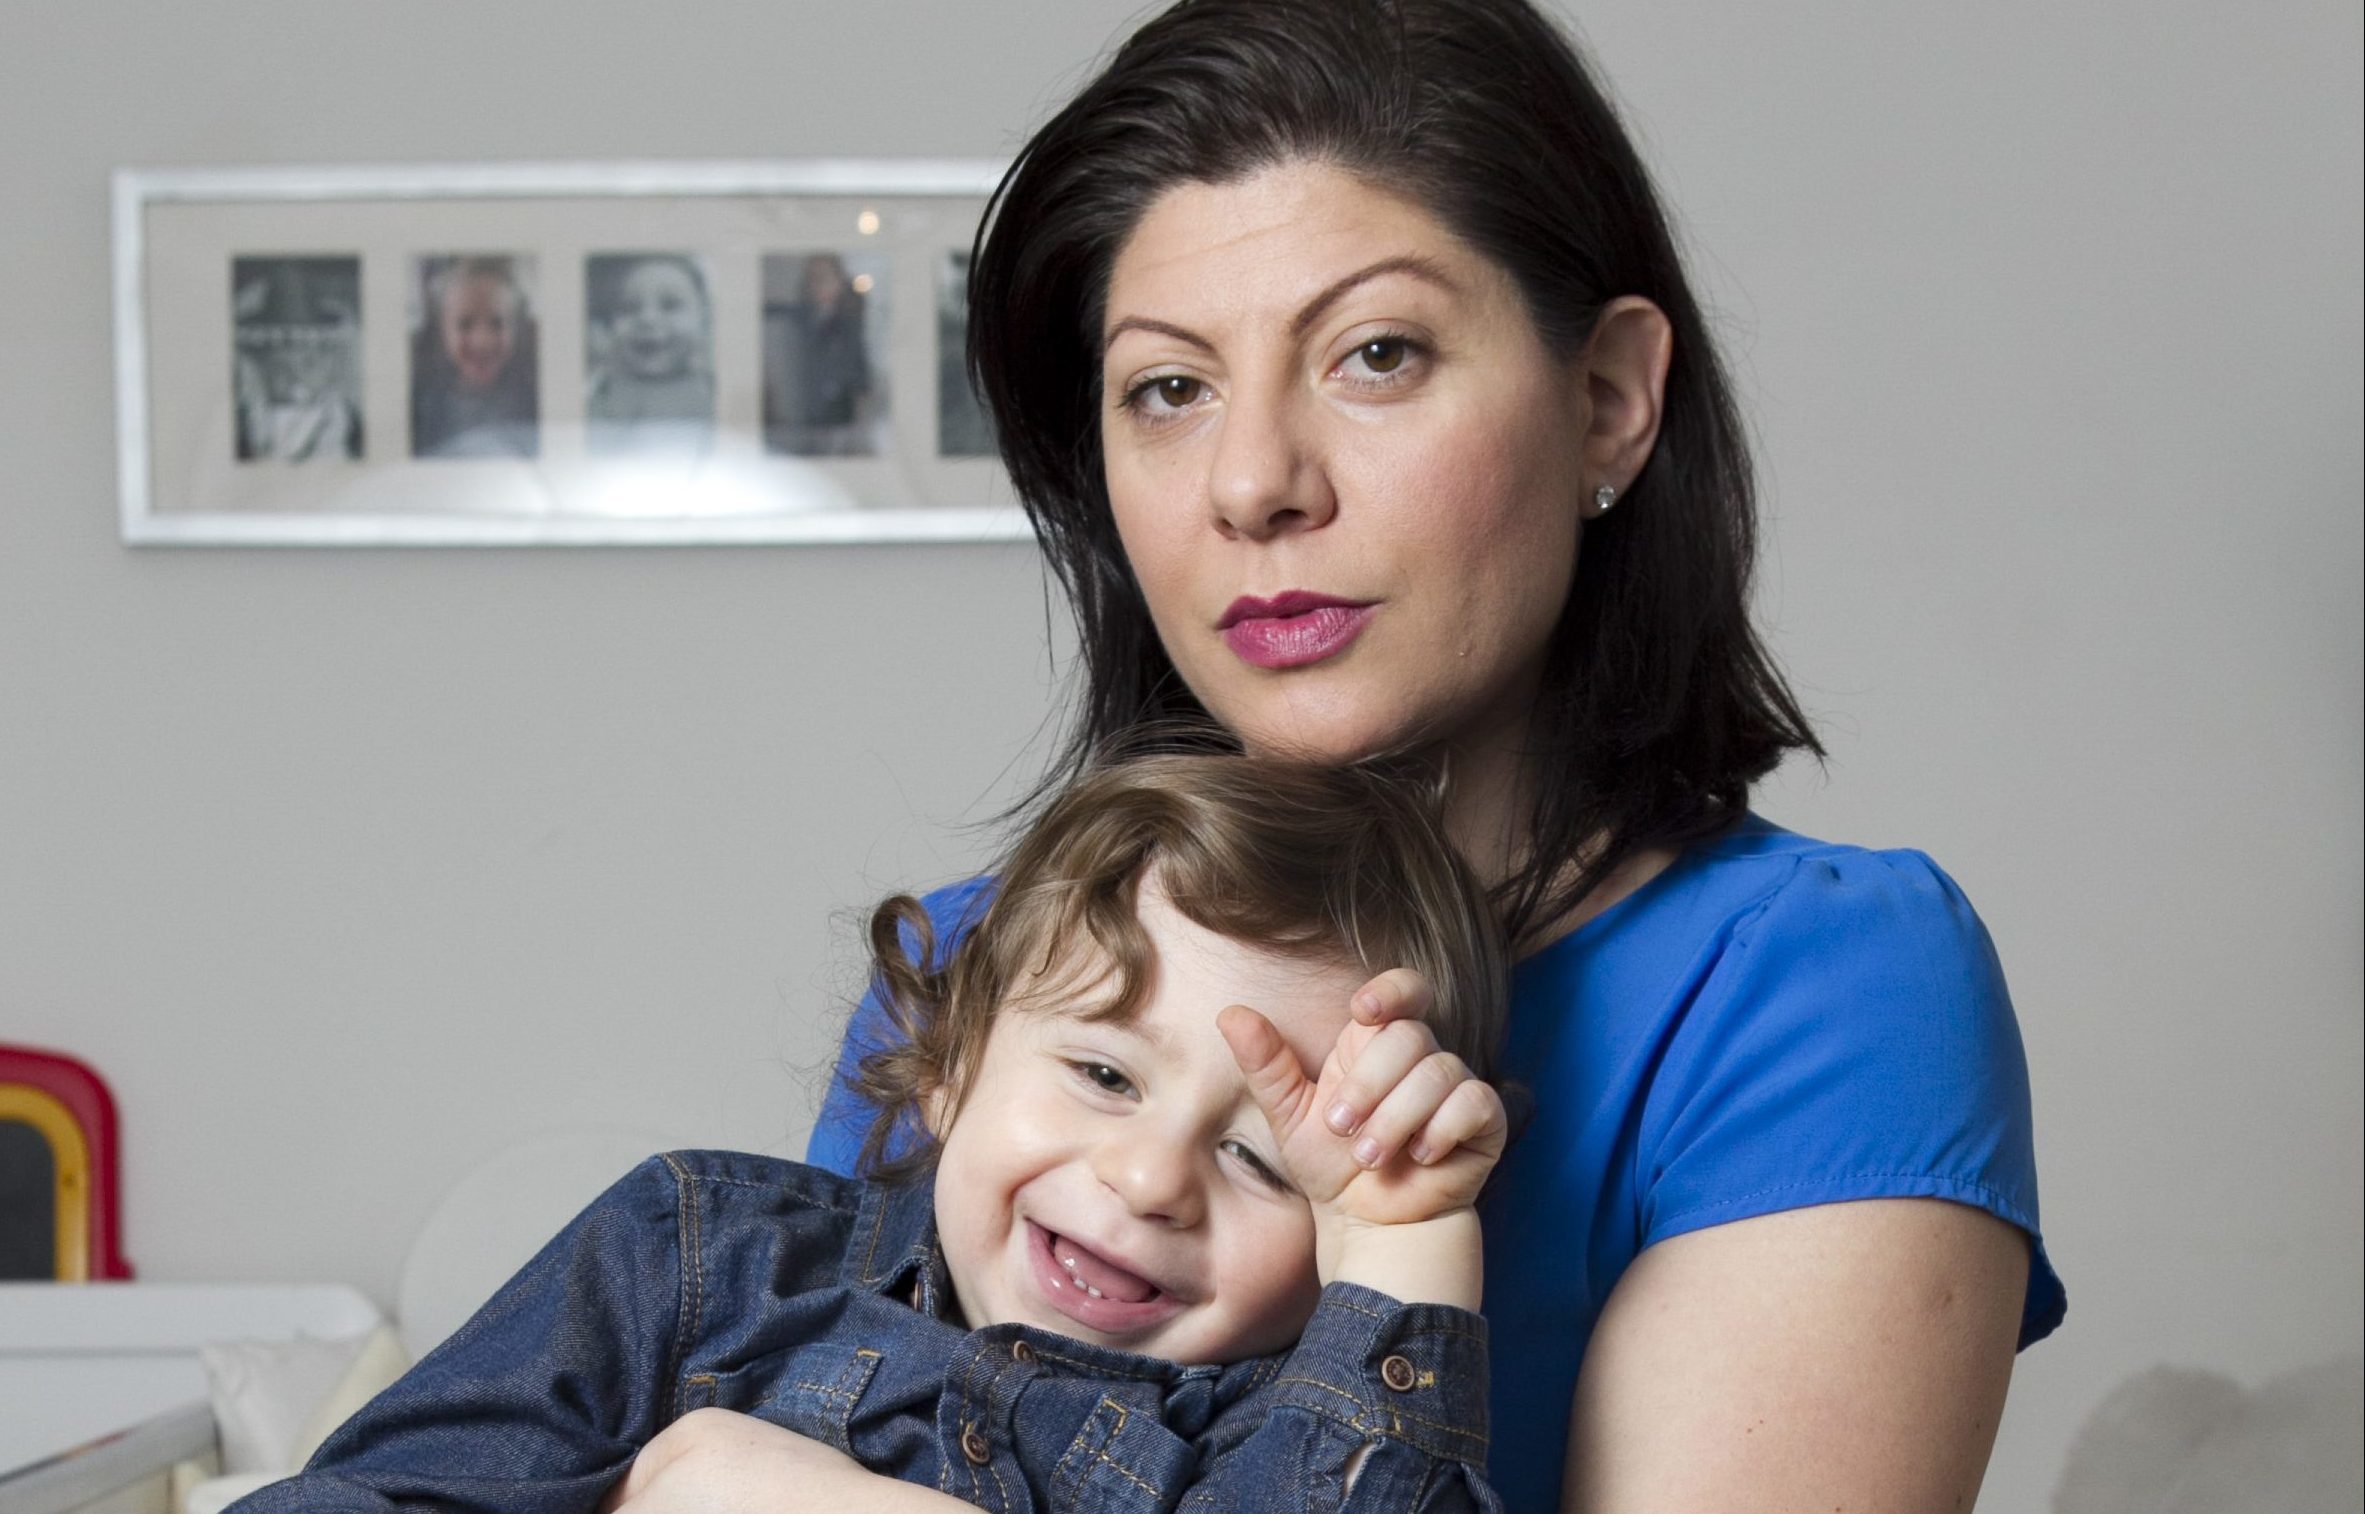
[1132, 1159]
[660, 321]
[479, 328]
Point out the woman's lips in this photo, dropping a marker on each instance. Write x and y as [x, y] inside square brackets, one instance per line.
[1065, 1292]
[1292, 630]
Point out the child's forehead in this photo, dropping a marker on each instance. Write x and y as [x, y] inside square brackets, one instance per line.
[660, 271]
[1190, 976]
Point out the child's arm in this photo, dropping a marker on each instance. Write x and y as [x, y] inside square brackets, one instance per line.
[540, 1401]
[713, 1459]
[1394, 1193]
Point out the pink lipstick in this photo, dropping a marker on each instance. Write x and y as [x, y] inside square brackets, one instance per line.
[1292, 629]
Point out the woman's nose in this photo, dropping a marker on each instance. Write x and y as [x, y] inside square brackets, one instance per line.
[1265, 480]
[1153, 1175]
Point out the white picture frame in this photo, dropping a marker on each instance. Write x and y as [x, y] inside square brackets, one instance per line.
[551, 354]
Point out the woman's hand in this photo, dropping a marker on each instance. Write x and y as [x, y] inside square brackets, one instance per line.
[712, 1461]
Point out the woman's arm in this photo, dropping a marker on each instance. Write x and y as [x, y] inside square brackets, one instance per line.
[1847, 1356]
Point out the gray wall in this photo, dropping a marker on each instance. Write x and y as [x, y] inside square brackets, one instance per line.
[350, 868]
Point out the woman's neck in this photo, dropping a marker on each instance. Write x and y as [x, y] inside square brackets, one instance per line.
[1489, 814]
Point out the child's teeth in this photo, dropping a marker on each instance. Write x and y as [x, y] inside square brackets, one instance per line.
[1095, 1292]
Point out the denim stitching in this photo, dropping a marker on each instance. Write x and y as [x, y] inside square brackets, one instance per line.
[1094, 1369]
[1363, 1410]
[870, 1253]
[685, 1288]
[971, 1417]
[1097, 1420]
[1106, 1460]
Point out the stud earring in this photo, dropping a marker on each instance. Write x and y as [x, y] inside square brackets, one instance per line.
[1603, 498]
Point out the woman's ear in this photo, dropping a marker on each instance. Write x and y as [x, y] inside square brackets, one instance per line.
[1624, 367]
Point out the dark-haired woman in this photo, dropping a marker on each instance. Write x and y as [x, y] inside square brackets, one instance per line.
[1340, 351]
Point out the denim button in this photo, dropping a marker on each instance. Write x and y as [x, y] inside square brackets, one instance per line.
[1021, 1352]
[974, 1447]
[1397, 1373]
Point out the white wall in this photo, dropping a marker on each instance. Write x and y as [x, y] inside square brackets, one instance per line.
[351, 867]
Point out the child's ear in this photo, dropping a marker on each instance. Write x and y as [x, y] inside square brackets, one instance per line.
[936, 1107]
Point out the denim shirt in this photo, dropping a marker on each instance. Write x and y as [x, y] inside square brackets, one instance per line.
[821, 1303]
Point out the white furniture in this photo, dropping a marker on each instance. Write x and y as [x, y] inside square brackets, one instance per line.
[101, 1392]
[104, 1405]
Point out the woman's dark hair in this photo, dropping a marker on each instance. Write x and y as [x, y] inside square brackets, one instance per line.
[1660, 706]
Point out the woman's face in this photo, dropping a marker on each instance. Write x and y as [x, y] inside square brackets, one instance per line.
[479, 328]
[1344, 467]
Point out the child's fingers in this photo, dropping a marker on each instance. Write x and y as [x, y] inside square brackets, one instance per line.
[1395, 1049]
[1472, 1116]
[1397, 994]
[1410, 1105]
[1268, 1064]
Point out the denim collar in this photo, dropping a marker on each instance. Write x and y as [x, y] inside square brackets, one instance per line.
[894, 1252]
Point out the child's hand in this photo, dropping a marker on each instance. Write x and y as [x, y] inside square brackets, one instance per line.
[1394, 1132]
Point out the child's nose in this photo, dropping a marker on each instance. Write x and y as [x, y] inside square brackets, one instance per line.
[1155, 1177]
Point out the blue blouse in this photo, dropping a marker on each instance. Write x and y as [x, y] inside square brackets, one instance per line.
[1772, 1022]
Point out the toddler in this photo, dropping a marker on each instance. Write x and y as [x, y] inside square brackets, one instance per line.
[1109, 1253]
[650, 336]
[474, 367]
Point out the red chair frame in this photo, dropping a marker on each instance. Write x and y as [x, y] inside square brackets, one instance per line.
[71, 1105]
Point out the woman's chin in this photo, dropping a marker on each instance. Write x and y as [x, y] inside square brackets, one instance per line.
[1331, 740]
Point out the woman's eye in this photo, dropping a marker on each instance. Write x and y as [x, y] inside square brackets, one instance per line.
[1383, 357]
[1166, 393]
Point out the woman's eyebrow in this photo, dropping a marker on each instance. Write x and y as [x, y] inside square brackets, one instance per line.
[1428, 269]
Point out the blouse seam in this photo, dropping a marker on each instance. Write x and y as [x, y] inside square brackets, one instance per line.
[2005, 1206]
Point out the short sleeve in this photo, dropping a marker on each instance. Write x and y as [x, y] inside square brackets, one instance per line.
[1854, 1040]
[845, 1119]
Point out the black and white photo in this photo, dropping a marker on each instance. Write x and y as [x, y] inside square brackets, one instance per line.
[648, 361]
[296, 367]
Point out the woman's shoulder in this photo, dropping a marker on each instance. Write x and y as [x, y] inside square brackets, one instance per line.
[1761, 928]
[1809, 1022]
[1759, 888]
[1871, 896]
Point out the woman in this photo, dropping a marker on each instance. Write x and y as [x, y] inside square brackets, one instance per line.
[1341, 354]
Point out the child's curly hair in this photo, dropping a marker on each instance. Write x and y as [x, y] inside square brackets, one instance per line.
[1340, 864]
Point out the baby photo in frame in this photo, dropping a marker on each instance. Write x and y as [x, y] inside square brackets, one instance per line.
[562, 354]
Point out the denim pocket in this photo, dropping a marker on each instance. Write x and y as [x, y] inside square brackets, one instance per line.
[816, 1389]
[1104, 1471]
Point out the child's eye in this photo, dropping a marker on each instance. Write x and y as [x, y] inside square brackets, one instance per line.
[1246, 1155]
[1103, 1077]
